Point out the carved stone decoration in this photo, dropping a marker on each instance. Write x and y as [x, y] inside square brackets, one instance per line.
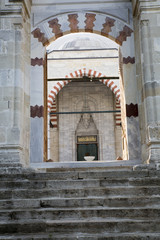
[126, 32]
[129, 60]
[154, 132]
[72, 18]
[90, 18]
[132, 110]
[37, 61]
[36, 111]
[41, 38]
[109, 23]
[86, 123]
[55, 27]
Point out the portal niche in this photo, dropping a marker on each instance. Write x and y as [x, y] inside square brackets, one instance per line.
[86, 136]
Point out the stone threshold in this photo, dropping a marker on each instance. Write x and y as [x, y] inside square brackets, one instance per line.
[85, 165]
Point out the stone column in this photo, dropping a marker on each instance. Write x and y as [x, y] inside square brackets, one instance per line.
[14, 81]
[151, 90]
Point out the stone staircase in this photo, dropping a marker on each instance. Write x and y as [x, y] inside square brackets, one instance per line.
[83, 204]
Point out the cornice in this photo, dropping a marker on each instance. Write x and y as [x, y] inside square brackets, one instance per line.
[145, 6]
[17, 7]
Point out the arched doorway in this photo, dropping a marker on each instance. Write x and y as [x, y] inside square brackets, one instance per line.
[110, 27]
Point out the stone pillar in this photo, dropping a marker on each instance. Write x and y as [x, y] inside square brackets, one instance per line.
[147, 37]
[130, 103]
[14, 81]
[151, 92]
[37, 97]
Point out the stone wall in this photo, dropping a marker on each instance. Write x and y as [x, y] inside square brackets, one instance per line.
[99, 98]
[14, 80]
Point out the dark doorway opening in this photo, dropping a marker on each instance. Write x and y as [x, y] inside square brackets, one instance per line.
[90, 149]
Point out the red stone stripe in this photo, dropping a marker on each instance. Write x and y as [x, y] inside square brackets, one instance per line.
[56, 88]
[72, 18]
[53, 92]
[126, 32]
[129, 60]
[36, 61]
[59, 84]
[80, 71]
[132, 110]
[109, 23]
[36, 111]
[71, 74]
[56, 27]
[111, 84]
[117, 92]
[76, 73]
[94, 73]
[114, 88]
[41, 38]
[89, 72]
[90, 18]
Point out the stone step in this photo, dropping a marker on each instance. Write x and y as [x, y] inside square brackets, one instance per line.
[10, 164]
[113, 202]
[80, 174]
[111, 225]
[83, 236]
[118, 191]
[10, 170]
[58, 184]
[85, 213]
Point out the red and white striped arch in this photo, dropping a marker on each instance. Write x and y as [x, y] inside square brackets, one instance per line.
[80, 73]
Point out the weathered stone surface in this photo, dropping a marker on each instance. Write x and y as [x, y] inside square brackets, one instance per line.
[68, 203]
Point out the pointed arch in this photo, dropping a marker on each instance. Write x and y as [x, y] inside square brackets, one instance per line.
[80, 73]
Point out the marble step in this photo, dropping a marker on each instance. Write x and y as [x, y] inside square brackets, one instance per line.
[91, 226]
[84, 213]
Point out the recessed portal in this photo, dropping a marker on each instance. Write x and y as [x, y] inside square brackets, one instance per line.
[88, 149]
[78, 108]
